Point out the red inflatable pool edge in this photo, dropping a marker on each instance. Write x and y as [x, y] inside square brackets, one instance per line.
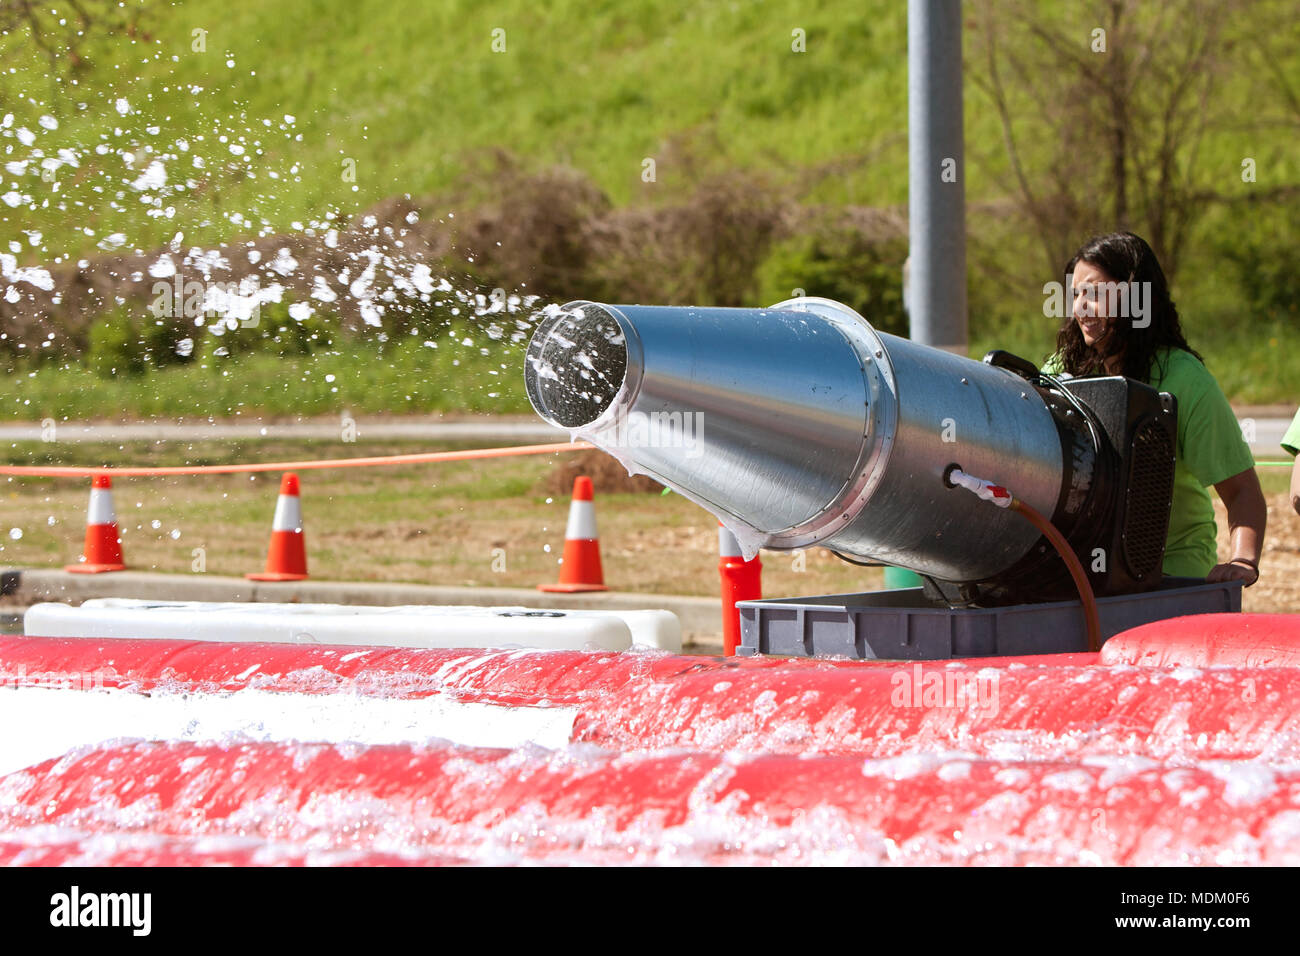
[1209, 640]
[1179, 743]
[158, 802]
[509, 677]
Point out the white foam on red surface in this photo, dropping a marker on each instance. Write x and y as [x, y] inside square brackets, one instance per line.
[54, 722]
[266, 793]
[538, 805]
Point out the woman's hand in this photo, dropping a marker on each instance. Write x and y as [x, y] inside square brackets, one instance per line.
[1247, 515]
[1237, 570]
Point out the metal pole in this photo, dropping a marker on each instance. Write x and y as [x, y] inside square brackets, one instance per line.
[936, 174]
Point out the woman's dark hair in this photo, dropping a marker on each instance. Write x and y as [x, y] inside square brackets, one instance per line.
[1124, 257]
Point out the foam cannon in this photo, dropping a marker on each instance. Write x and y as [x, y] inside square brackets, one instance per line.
[801, 425]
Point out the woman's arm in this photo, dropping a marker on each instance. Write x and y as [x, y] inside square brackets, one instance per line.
[1247, 515]
[1295, 486]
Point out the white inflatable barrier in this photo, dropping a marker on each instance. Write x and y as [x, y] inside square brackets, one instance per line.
[406, 626]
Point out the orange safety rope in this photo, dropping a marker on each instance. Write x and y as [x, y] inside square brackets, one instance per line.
[57, 471]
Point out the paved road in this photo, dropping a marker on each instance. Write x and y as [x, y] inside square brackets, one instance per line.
[1267, 432]
[1268, 437]
[486, 429]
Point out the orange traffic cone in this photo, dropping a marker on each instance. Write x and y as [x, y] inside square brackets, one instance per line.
[103, 548]
[580, 566]
[286, 559]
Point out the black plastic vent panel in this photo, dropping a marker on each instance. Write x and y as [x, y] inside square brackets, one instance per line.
[1146, 518]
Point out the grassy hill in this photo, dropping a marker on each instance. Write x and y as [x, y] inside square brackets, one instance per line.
[411, 91]
[269, 118]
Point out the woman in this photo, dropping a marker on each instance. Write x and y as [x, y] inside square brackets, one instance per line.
[1137, 334]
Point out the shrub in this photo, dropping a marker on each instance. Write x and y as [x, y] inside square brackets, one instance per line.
[838, 263]
[128, 341]
[275, 333]
[1263, 259]
[698, 249]
[531, 231]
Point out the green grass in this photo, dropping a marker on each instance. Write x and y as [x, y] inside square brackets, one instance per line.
[1253, 365]
[444, 523]
[414, 94]
[411, 378]
[413, 91]
[405, 378]
[1259, 366]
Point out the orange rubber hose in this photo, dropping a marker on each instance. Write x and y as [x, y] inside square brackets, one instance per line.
[1086, 595]
[57, 471]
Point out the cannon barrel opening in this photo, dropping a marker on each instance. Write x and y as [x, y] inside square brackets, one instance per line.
[576, 364]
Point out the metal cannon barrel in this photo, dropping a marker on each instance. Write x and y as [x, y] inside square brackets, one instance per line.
[802, 425]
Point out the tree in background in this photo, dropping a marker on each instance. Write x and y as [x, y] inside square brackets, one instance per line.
[1106, 113]
[61, 30]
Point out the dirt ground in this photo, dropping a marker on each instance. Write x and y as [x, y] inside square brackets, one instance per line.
[480, 523]
[1278, 588]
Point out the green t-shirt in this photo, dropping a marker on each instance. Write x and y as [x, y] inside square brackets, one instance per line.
[1291, 440]
[1210, 450]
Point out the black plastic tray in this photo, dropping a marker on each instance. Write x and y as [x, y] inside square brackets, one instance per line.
[902, 625]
